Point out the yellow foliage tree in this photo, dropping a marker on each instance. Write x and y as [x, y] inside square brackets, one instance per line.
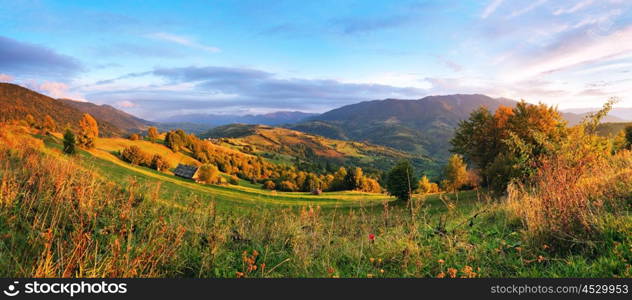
[88, 131]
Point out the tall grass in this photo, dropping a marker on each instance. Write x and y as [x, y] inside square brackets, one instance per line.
[60, 219]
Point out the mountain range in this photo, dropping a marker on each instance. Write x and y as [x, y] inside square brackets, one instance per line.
[422, 128]
[274, 118]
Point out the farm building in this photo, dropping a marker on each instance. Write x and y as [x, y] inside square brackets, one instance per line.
[186, 171]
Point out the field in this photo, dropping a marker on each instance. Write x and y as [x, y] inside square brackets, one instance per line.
[107, 218]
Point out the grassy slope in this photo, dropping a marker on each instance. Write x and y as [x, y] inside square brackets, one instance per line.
[443, 234]
[106, 163]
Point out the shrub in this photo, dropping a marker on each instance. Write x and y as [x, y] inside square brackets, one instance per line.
[69, 142]
[269, 185]
[209, 174]
[159, 163]
[134, 155]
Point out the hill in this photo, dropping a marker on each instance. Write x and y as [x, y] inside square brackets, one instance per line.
[110, 114]
[617, 114]
[422, 126]
[270, 141]
[274, 118]
[17, 102]
[611, 129]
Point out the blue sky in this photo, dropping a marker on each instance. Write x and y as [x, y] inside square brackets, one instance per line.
[158, 58]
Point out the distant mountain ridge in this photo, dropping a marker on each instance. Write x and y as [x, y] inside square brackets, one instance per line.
[422, 126]
[272, 119]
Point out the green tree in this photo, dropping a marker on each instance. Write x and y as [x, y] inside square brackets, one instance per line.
[353, 179]
[69, 142]
[400, 181]
[628, 136]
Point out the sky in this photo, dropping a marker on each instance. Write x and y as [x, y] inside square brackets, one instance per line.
[156, 59]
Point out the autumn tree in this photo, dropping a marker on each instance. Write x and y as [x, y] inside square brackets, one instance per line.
[30, 120]
[134, 137]
[134, 155]
[152, 134]
[175, 141]
[159, 163]
[88, 131]
[455, 173]
[49, 125]
[269, 185]
[427, 187]
[506, 145]
[400, 181]
[209, 174]
[69, 142]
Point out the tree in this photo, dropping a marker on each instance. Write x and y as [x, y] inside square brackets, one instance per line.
[49, 125]
[69, 142]
[400, 181]
[30, 120]
[353, 179]
[88, 131]
[134, 137]
[134, 155]
[269, 185]
[174, 141]
[455, 173]
[158, 163]
[152, 134]
[628, 136]
[427, 187]
[209, 174]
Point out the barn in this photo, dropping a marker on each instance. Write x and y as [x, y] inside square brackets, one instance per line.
[186, 171]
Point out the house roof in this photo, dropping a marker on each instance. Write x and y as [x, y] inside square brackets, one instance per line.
[185, 171]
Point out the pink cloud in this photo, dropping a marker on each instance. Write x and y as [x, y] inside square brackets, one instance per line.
[5, 78]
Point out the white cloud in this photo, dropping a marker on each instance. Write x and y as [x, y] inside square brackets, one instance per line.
[527, 8]
[184, 41]
[576, 53]
[491, 8]
[580, 5]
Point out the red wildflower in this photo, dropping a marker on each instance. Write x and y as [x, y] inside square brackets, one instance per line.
[371, 237]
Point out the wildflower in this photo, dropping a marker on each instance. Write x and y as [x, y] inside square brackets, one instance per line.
[519, 249]
[545, 246]
[369, 275]
[441, 261]
[452, 272]
[379, 260]
[371, 237]
[382, 271]
[239, 274]
[441, 275]
[371, 259]
[540, 258]
[330, 270]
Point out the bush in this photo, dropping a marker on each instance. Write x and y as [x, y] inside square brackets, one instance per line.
[209, 174]
[135, 156]
[158, 163]
[234, 180]
[269, 185]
